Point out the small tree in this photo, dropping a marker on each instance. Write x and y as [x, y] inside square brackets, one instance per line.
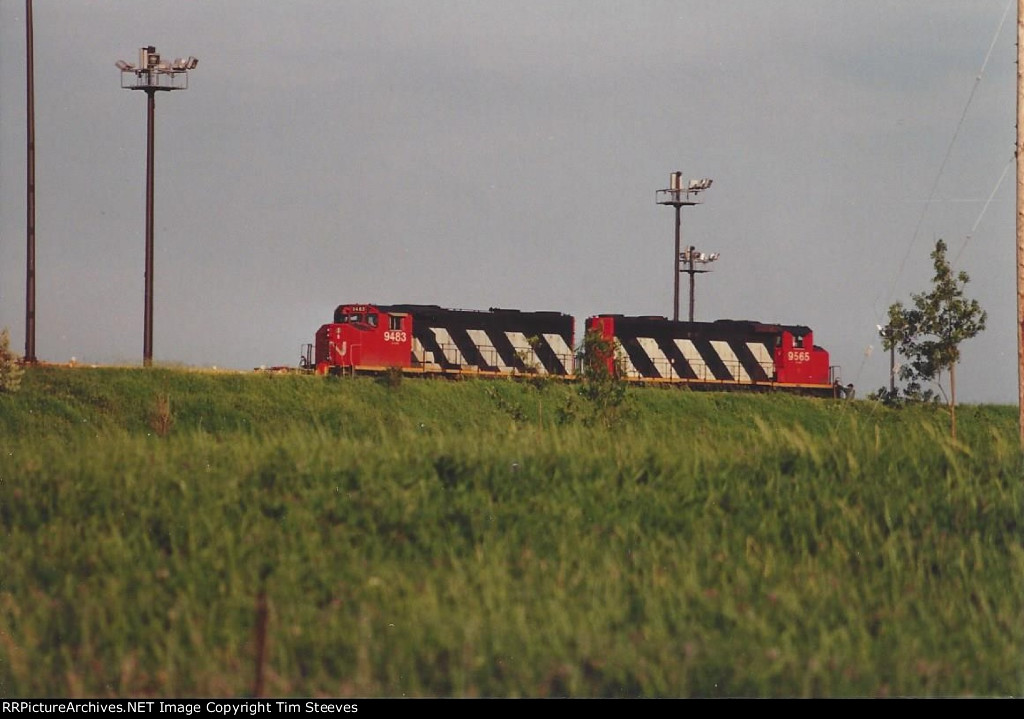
[929, 334]
[10, 368]
[602, 384]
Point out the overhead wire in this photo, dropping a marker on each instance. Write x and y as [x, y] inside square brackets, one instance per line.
[984, 208]
[945, 159]
[935, 183]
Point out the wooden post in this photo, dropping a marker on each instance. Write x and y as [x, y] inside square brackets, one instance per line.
[1020, 224]
[30, 192]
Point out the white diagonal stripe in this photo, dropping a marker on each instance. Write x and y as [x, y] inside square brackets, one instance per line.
[488, 352]
[448, 348]
[523, 348]
[732, 363]
[693, 358]
[562, 351]
[658, 358]
[628, 367]
[763, 357]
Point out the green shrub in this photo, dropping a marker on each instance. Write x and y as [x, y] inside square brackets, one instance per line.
[10, 365]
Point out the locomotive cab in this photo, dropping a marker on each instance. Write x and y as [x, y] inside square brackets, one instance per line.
[364, 336]
[798, 360]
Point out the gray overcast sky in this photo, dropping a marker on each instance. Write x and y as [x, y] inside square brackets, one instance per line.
[484, 154]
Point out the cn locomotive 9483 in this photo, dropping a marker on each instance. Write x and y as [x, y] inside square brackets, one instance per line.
[431, 340]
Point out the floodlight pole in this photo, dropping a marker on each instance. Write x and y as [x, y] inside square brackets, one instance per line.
[30, 192]
[678, 197]
[147, 341]
[691, 271]
[892, 368]
[887, 334]
[152, 75]
[691, 257]
[675, 283]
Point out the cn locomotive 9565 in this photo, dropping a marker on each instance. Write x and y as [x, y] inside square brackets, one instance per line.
[431, 340]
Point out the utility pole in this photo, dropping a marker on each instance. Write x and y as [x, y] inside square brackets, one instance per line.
[30, 192]
[1020, 222]
[678, 197]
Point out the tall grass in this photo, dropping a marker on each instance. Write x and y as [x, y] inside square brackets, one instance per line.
[467, 539]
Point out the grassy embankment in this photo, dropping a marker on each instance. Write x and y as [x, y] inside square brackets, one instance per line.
[499, 539]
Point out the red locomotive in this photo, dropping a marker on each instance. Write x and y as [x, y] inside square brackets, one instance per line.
[431, 340]
[723, 354]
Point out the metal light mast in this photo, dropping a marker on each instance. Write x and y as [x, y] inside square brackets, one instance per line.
[690, 256]
[152, 75]
[678, 197]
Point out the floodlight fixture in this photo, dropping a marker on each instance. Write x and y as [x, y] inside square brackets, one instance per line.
[691, 255]
[152, 75]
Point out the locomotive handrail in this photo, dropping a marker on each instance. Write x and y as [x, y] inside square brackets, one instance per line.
[702, 371]
[492, 358]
